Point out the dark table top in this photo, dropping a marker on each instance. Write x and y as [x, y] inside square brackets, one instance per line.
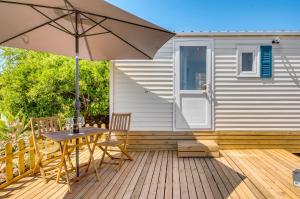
[60, 136]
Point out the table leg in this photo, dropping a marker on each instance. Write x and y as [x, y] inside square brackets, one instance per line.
[64, 150]
[77, 158]
[92, 157]
[93, 149]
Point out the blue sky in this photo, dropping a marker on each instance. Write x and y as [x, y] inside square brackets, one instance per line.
[217, 15]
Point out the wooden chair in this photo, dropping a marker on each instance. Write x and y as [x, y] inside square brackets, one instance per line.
[120, 122]
[45, 150]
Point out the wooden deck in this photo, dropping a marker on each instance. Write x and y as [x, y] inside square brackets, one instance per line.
[250, 173]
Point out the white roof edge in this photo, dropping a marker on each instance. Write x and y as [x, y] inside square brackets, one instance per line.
[240, 33]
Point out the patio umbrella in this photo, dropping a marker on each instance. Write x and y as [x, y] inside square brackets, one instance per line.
[86, 29]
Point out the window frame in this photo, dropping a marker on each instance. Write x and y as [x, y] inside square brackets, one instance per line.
[256, 56]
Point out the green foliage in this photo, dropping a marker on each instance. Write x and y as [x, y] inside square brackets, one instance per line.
[12, 127]
[42, 84]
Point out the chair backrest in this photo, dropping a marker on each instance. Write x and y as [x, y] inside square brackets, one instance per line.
[120, 122]
[43, 125]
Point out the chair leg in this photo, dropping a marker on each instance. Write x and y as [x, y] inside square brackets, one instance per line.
[121, 160]
[40, 165]
[103, 155]
[63, 149]
[92, 160]
[37, 164]
[103, 149]
[124, 151]
[70, 161]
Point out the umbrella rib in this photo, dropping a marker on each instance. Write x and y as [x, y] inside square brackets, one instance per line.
[67, 2]
[128, 22]
[64, 29]
[36, 5]
[74, 28]
[31, 29]
[85, 39]
[60, 29]
[99, 33]
[128, 43]
[80, 35]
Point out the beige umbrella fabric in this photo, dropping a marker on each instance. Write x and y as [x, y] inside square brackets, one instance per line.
[109, 32]
[86, 29]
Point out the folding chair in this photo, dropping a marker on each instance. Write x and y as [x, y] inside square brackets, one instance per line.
[46, 150]
[120, 123]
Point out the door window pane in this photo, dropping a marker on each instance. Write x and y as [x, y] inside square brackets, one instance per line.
[247, 62]
[192, 67]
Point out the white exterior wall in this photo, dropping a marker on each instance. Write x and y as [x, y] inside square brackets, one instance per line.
[255, 103]
[145, 88]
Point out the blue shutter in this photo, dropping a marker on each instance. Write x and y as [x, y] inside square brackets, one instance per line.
[266, 61]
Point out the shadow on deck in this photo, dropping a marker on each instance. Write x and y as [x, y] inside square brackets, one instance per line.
[161, 174]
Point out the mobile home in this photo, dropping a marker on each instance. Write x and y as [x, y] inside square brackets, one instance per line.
[209, 82]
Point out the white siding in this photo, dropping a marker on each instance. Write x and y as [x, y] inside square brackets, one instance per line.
[254, 103]
[145, 88]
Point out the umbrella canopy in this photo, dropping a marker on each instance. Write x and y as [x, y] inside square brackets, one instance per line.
[89, 29]
[105, 32]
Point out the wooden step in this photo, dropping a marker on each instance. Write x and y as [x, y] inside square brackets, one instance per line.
[197, 148]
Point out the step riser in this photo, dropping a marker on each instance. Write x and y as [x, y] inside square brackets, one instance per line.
[204, 148]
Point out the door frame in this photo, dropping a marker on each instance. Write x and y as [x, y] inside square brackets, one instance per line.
[176, 80]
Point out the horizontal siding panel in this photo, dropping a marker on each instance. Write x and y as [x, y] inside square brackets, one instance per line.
[166, 52]
[255, 121]
[254, 103]
[291, 102]
[145, 88]
[256, 128]
[258, 117]
[149, 106]
[264, 111]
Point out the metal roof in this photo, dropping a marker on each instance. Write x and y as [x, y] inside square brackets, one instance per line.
[240, 33]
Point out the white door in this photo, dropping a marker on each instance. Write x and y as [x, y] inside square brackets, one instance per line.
[192, 84]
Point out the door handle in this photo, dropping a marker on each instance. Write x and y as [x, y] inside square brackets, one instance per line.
[207, 90]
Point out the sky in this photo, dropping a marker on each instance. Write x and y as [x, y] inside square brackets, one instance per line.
[217, 15]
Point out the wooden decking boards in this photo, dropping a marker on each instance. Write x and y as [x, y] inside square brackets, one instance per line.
[250, 173]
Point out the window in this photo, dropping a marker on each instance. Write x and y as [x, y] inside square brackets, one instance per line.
[192, 67]
[248, 57]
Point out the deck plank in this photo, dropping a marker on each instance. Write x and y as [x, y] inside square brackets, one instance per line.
[169, 176]
[147, 183]
[189, 178]
[155, 177]
[231, 190]
[160, 192]
[129, 190]
[118, 181]
[161, 174]
[98, 188]
[196, 178]
[139, 184]
[241, 176]
[213, 185]
[175, 176]
[184, 193]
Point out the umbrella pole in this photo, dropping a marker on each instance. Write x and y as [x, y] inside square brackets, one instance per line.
[77, 102]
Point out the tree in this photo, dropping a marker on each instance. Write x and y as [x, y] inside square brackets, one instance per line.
[42, 84]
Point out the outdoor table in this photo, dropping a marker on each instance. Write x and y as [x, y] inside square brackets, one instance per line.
[63, 137]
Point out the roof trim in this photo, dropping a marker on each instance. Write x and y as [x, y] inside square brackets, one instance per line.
[240, 33]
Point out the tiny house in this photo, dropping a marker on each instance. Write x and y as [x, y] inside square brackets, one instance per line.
[211, 82]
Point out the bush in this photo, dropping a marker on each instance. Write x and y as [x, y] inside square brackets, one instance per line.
[42, 84]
